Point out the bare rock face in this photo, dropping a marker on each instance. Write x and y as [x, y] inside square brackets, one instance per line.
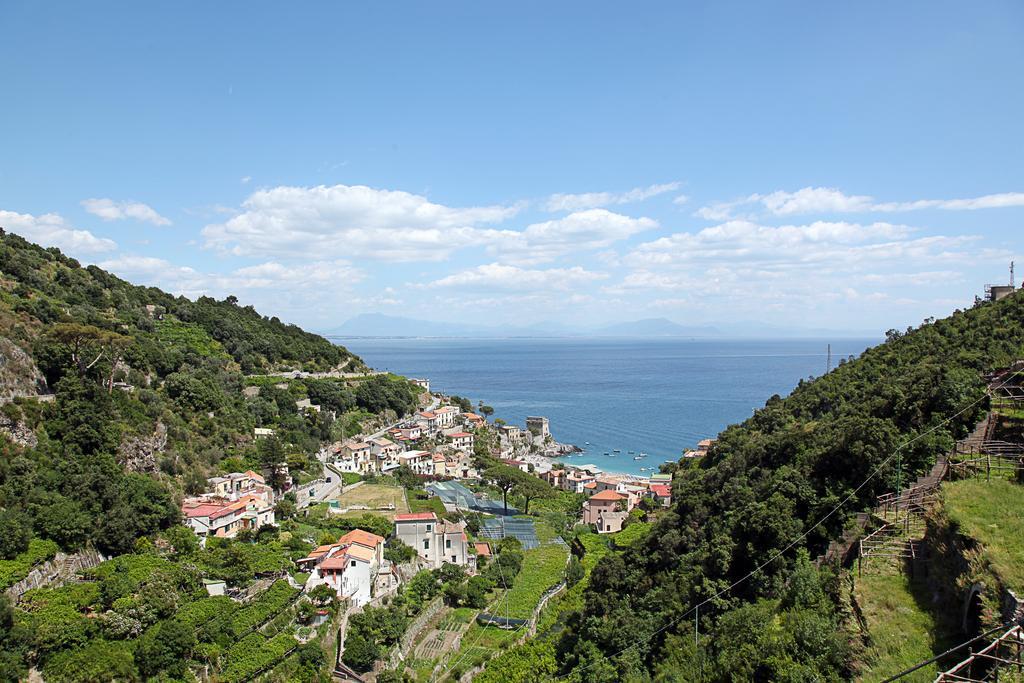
[138, 454]
[19, 375]
[18, 432]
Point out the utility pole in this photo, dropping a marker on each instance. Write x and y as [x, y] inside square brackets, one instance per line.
[1011, 275]
[696, 642]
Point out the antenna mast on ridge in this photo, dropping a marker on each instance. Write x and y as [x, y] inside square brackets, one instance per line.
[1011, 275]
[828, 364]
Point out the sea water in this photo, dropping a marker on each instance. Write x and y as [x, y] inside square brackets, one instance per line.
[614, 398]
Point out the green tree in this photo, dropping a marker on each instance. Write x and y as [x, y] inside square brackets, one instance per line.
[398, 552]
[532, 488]
[323, 595]
[165, 649]
[15, 533]
[574, 571]
[505, 478]
[360, 652]
[99, 661]
[270, 451]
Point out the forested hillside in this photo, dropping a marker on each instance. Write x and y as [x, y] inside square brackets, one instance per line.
[765, 483]
[116, 401]
[99, 463]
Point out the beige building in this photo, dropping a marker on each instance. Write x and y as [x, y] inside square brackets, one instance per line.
[435, 541]
[606, 510]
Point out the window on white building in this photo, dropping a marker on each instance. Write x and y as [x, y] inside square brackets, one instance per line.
[426, 545]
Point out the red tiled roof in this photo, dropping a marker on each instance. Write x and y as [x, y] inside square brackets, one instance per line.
[482, 549]
[459, 434]
[416, 517]
[663, 490]
[607, 495]
[201, 510]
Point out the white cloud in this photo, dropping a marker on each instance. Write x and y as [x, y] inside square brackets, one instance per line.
[350, 221]
[51, 230]
[788, 244]
[322, 276]
[680, 200]
[716, 211]
[245, 179]
[593, 200]
[811, 200]
[578, 232]
[743, 264]
[110, 210]
[988, 201]
[506, 277]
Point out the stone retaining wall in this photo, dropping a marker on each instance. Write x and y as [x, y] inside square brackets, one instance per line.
[56, 572]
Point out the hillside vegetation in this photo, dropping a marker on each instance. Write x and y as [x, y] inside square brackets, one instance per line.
[744, 524]
[116, 400]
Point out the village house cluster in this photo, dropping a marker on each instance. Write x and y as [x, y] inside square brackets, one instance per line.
[446, 437]
[436, 442]
[610, 498]
[236, 501]
[355, 566]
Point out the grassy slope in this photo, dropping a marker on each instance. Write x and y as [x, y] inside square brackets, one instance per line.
[543, 568]
[990, 512]
[900, 629]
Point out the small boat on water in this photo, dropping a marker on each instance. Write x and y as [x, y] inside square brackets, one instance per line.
[618, 450]
[636, 457]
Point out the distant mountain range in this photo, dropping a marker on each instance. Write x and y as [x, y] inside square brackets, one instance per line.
[380, 325]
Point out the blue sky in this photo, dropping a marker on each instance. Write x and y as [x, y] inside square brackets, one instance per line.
[842, 165]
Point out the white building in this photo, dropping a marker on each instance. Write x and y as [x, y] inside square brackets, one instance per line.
[429, 422]
[384, 452]
[210, 516]
[349, 566]
[462, 441]
[236, 501]
[354, 456]
[436, 542]
[446, 416]
[420, 462]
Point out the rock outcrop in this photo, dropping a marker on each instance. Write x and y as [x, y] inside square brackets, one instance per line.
[138, 454]
[19, 375]
[18, 432]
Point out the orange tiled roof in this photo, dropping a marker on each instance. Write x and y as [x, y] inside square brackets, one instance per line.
[362, 538]
[607, 495]
[360, 553]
